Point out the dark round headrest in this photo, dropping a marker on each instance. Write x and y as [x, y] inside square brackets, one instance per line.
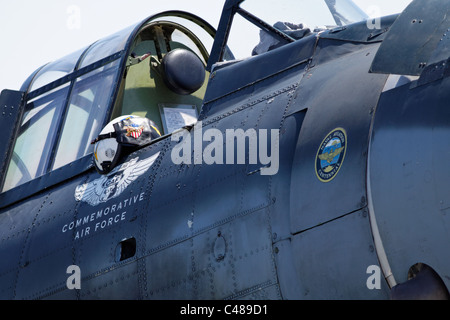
[184, 72]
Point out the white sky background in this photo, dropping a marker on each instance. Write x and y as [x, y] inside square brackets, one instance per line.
[33, 33]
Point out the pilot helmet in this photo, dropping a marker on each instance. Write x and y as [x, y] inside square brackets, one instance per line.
[122, 134]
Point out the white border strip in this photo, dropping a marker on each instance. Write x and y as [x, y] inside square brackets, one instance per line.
[382, 257]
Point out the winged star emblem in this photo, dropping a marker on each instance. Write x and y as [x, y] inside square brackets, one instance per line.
[110, 186]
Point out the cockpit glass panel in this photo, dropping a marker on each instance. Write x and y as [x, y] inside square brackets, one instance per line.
[86, 113]
[107, 46]
[244, 48]
[55, 70]
[345, 12]
[311, 14]
[38, 129]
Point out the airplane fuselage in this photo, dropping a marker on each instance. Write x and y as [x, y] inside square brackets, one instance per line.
[359, 195]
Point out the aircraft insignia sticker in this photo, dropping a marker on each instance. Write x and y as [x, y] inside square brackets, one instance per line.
[331, 155]
[134, 130]
[113, 184]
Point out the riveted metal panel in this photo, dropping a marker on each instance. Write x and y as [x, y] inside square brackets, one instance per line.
[42, 226]
[409, 176]
[245, 269]
[335, 259]
[411, 42]
[339, 94]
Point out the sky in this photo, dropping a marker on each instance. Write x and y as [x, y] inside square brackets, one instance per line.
[33, 33]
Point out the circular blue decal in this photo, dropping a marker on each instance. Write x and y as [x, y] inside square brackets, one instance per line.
[331, 155]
